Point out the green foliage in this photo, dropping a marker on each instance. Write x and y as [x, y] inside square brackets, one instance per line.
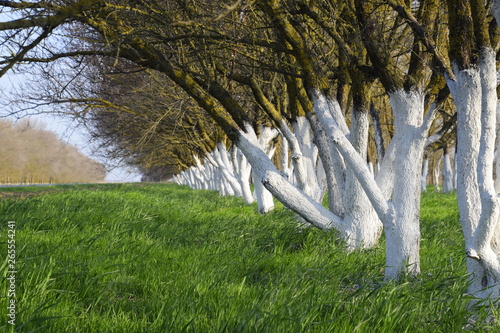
[164, 258]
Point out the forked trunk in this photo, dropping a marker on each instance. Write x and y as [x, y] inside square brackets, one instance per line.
[474, 93]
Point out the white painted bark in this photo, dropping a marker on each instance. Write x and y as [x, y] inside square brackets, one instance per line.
[202, 173]
[244, 172]
[497, 152]
[336, 118]
[467, 97]
[436, 171]
[363, 225]
[401, 216]
[423, 181]
[285, 166]
[267, 173]
[326, 169]
[304, 136]
[386, 171]
[230, 183]
[264, 198]
[372, 169]
[299, 170]
[447, 172]
[353, 160]
[403, 239]
[336, 115]
[379, 138]
[475, 98]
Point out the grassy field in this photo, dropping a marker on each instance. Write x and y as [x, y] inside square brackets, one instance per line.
[164, 258]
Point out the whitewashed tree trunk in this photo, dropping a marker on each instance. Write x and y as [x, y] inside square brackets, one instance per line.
[363, 225]
[354, 161]
[474, 93]
[377, 128]
[403, 238]
[497, 152]
[267, 173]
[330, 162]
[405, 152]
[436, 172]
[264, 198]
[299, 172]
[220, 156]
[372, 169]
[244, 172]
[386, 171]
[303, 133]
[447, 172]
[285, 166]
[425, 170]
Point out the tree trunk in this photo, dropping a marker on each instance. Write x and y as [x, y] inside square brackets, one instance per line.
[243, 174]
[403, 238]
[267, 173]
[302, 131]
[264, 198]
[363, 225]
[497, 153]
[435, 174]
[328, 166]
[475, 98]
[447, 172]
[425, 169]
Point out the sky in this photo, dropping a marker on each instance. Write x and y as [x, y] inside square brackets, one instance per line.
[62, 127]
[66, 131]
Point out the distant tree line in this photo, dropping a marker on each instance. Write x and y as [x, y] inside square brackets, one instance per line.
[29, 154]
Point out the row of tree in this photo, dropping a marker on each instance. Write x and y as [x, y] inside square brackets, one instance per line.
[31, 155]
[314, 72]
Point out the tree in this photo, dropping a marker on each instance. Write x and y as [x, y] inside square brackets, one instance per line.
[193, 43]
[473, 59]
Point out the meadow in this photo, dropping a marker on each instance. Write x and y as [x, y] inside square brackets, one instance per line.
[165, 258]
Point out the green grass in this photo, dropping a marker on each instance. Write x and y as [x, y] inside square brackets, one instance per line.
[164, 258]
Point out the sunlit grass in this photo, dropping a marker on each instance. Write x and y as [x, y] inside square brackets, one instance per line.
[164, 258]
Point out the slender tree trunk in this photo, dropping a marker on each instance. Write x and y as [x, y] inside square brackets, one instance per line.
[435, 174]
[364, 226]
[447, 172]
[497, 153]
[244, 172]
[379, 138]
[425, 169]
[302, 131]
[327, 153]
[264, 197]
[298, 161]
[285, 166]
[231, 183]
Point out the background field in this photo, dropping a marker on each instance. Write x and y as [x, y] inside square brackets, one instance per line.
[164, 258]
